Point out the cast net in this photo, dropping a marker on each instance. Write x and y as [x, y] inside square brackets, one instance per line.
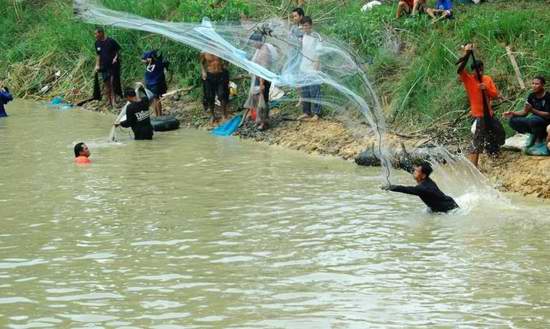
[273, 51]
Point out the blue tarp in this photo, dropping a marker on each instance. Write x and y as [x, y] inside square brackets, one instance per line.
[229, 127]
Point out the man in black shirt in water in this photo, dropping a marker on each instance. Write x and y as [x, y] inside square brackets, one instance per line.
[426, 189]
[137, 116]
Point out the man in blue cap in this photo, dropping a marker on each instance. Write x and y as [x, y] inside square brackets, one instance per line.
[155, 80]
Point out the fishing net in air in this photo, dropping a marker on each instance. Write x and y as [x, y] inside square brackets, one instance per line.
[273, 50]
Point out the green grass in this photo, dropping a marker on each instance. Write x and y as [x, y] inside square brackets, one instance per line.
[411, 61]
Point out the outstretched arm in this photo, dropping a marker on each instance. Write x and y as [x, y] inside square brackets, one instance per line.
[413, 190]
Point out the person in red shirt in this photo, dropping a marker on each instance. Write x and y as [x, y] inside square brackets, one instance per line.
[81, 154]
[475, 90]
[410, 7]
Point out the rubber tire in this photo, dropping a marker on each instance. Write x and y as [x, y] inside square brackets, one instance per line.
[165, 123]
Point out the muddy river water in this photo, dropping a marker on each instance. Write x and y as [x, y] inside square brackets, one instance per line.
[196, 231]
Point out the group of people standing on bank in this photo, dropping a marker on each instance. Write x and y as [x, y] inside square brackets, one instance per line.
[304, 56]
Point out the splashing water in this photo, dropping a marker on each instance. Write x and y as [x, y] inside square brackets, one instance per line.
[347, 86]
[458, 176]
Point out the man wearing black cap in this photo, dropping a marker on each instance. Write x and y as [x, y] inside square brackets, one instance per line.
[137, 116]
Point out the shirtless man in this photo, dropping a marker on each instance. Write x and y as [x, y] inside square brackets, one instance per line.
[215, 78]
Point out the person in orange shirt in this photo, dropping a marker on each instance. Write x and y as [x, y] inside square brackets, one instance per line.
[475, 89]
[81, 154]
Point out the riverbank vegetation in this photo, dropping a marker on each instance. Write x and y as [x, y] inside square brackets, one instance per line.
[410, 60]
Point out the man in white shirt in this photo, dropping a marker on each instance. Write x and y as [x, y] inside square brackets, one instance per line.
[309, 67]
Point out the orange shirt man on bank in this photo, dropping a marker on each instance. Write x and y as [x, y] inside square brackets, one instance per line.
[81, 154]
[474, 89]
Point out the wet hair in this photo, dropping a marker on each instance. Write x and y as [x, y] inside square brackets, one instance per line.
[257, 36]
[78, 148]
[99, 29]
[477, 65]
[129, 92]
[307, 20]
[540, 78]
[426, 168]
[299, 11]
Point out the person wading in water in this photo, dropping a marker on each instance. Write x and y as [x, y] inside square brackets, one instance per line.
[81, 154]
[426, 189]
[138, 116]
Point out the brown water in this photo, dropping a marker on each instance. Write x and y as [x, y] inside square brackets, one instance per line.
[194, 231]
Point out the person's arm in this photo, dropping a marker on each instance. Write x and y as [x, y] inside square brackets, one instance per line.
[543, 114]
[97, 63]
[130, 117]
[526, 110]
[491, 89]
[202, 60]
[462, 61]
[413, 190]
[117, 48]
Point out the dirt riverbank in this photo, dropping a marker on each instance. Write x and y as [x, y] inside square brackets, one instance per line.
[511, 172]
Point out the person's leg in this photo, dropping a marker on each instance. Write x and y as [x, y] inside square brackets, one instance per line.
[222, 91]
[306, 105]
[548, 137]
[210, 98]
[537, 126]
[416, 4]
[477, 144]
[109, 91]
[264, 112]
[316, 105]
[431, 12]
[158, 107]
[474, 158]
[401, 7]
[520, 124]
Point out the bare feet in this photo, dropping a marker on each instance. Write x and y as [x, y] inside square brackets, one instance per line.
[303, 117]
[314, 118]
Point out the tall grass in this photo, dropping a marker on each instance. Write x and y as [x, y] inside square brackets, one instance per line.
[410, 61]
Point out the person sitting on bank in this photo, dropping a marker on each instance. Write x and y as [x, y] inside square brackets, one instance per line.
[215, 77]
[426, 189]
[534, 118]
[81, 153]
[482, 139]
[410, 7]
[155, 80]
[441, 11]
[5, 98]
[138, 116]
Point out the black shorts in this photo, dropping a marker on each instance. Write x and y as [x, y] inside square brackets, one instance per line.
[487, 139]
[158, 90]
[216, 84]
[106, 75]
[109, 72]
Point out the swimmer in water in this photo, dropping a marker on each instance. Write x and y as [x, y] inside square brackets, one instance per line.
[81, 153]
